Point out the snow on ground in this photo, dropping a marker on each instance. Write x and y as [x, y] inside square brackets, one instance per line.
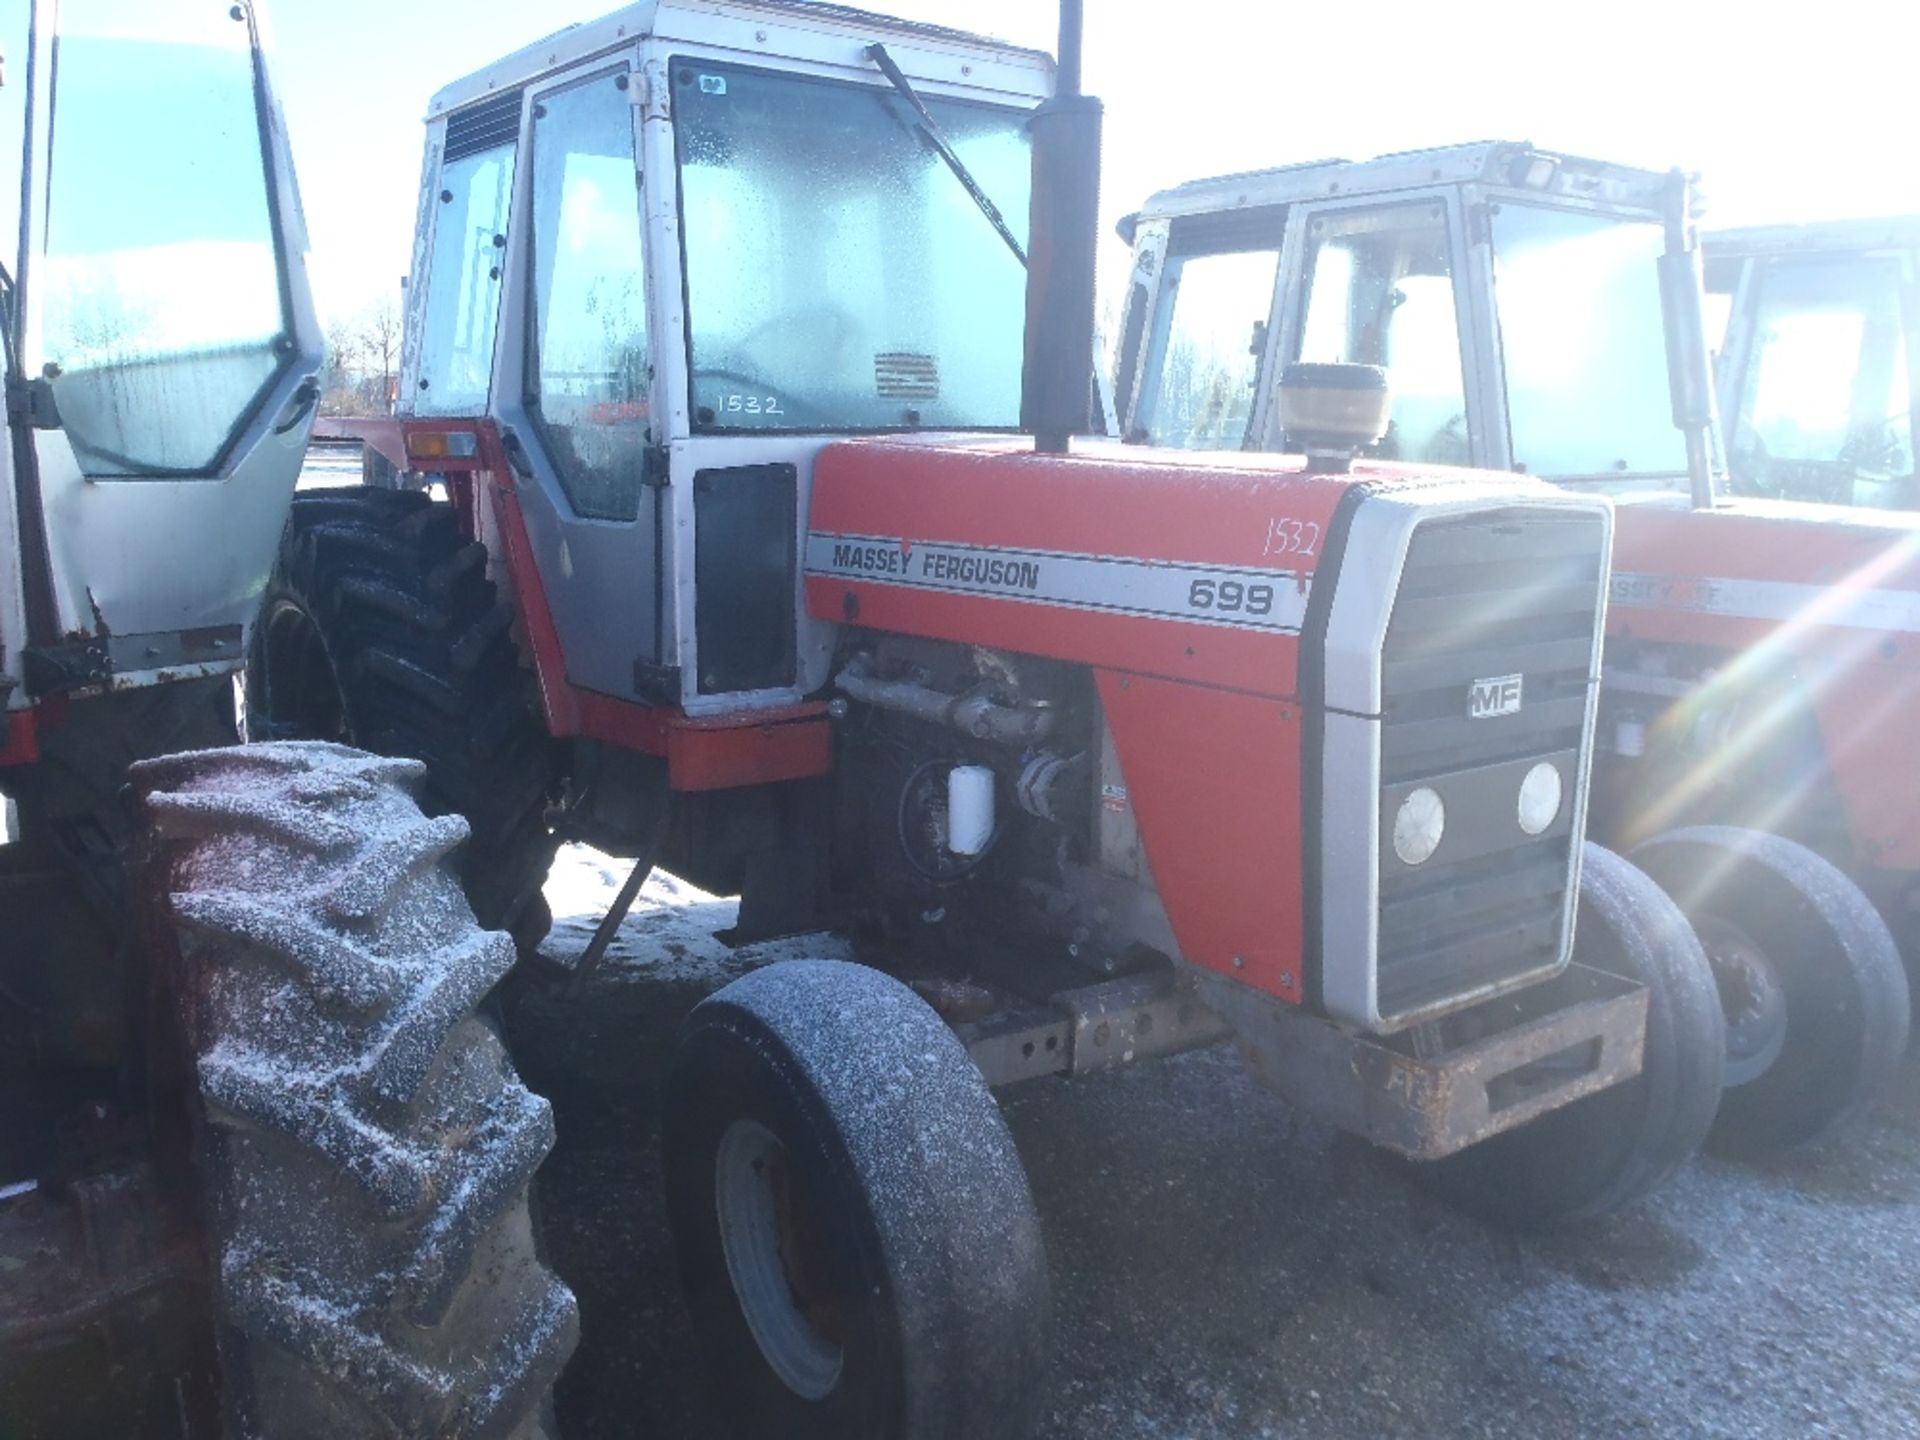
[671, 934]
[330, 465]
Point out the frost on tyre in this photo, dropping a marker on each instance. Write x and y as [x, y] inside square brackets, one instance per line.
[363, 1140]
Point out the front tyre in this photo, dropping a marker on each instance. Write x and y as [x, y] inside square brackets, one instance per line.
[1814, 990]
[854, 1230]
[1606, 1151]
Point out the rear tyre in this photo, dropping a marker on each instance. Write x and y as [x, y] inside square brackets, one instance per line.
[853, 1227]
[1610, 1149]
[364, 1143]
[1814, 990]
[381, 630]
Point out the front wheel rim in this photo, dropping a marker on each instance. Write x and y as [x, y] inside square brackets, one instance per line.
[1751, 997]
[772, 1256]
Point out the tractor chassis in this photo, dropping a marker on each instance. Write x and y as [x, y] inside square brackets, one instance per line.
[1425, 1093]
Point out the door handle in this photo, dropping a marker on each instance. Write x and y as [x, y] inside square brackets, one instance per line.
[303, 400]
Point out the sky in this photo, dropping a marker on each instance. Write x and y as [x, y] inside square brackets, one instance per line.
[1789, 111]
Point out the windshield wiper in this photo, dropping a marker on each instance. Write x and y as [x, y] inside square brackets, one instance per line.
[931, 129]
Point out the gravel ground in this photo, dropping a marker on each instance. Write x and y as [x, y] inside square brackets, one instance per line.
[1224, 1268]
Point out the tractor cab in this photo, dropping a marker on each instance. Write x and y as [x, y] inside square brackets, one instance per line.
[672, 254]
[1816, 373]
[161, 351]
[1500, 286]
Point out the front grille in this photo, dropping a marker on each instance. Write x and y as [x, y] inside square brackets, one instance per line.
[1512, 592]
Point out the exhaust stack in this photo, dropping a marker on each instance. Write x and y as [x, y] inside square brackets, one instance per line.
[1056, 383]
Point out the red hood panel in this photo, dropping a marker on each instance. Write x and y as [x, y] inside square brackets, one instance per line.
[1193, 567]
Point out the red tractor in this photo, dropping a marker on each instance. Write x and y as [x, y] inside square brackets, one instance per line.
[736, 525]
[1541, 313]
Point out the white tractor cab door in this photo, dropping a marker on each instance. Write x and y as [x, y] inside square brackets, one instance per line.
[1382, 281]
[714, 269]
[165, 339]
[572, 371]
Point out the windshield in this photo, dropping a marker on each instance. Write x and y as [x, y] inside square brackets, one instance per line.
[1581, 332]
[839, 277]
[1824, 402]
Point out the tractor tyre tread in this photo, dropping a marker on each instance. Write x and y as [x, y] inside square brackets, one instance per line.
[365, 1146]
[425, 660]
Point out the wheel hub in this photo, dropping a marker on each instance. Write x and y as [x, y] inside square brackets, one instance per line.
[1751, 998]
[776, 1261]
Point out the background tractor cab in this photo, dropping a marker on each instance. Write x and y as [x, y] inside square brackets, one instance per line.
[1502, 288]
[1816, 369]
[731, 241]
[1541, 313]
[162, 346]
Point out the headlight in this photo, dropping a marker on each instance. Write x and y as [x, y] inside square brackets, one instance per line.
[1539, 798]
[1419, 825]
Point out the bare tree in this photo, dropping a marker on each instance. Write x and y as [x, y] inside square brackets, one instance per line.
[339, 391]
[380, 348]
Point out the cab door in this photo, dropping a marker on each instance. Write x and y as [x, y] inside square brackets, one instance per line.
[165, 337]
[1381, 281]
[574, 384]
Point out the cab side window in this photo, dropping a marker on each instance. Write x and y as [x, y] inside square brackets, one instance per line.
[1210, 333]
[1824, 410]
[469, 249]
[589, 374]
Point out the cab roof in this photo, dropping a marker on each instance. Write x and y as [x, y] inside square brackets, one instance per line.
[1883, 232]
[838, 33]
[1508, 164]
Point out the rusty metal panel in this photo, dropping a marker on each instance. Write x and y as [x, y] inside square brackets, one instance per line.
[1535, 1051]
[1095, 1027]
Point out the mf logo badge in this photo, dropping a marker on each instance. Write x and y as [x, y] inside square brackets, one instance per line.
[1499, 695]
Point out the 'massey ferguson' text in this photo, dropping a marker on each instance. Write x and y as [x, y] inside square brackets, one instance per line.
[990, 572]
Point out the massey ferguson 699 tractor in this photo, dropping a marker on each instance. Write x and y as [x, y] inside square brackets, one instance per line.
[1816, 375]
[1539, 313]
[745, 538]
[263, 1172]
